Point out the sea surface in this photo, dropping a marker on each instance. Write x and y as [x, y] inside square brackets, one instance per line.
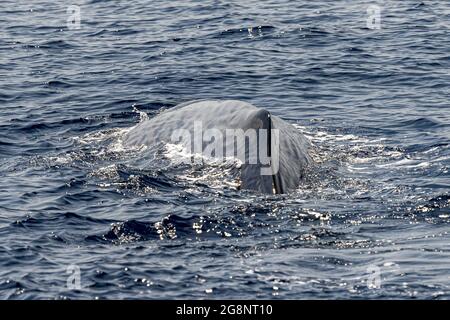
[81, 217]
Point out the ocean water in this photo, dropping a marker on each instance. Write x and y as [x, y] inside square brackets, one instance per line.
[81, 218]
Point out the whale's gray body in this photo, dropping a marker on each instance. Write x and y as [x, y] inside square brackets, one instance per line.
[290, 149]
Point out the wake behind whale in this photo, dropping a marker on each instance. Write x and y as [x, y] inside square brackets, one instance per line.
[272, 153]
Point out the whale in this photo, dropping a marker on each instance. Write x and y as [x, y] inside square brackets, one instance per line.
[273, 154]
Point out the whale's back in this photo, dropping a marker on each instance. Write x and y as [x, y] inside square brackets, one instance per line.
[291, 149]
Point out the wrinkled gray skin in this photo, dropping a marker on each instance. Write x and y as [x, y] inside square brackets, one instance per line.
[291, 154]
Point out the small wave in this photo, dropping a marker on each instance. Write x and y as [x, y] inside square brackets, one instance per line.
[45, 220]
[58, 84]
[169, 228]
[56, 45]
[253, 31]
[421, 123]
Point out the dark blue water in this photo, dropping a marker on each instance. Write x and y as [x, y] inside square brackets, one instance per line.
[370, 221]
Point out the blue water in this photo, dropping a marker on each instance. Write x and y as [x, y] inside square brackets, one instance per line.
[370, 221]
